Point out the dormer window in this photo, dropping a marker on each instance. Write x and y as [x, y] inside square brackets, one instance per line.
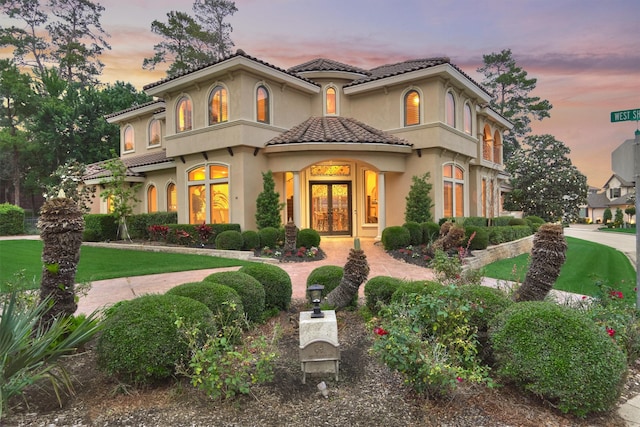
[183, 115]
[262, 105]
[412, 108]
[330, 101]
[218, 111]
[129, 143]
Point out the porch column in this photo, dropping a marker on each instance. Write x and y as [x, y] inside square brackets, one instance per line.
[382, 206]
[296, 199]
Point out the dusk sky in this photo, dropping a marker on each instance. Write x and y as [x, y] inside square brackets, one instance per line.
[585, 54]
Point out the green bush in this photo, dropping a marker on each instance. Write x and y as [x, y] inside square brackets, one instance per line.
[378, 291]
[415, 232]
[276, 282]
[139, 224]
[430, 232]
[11, 220]
[501, 221]
[140, 343]
[502, 234]
[395, 237]
[229, 240]
[100, 227]
[250, 240]
[517, 221]
[557, 353]
[480, 241]
[307, 238]
[487, 303]
[534, 222]
[269, 237]
[477, 221]
[250, 290]
[415, 287]
[328, 276]
[220, 299]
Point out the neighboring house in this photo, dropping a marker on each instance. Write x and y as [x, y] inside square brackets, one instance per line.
[343, 143]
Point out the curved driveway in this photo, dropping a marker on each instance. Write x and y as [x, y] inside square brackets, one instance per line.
[625, 243]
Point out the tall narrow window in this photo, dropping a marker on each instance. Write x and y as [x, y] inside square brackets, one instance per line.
[331, 100]
[218, 105]
[497, 148]
[453, 186]
[262, 104]
[371, 196]
[154, 132]
[450, 110]
[172, 198]
[152, 199]
[487, 144]
[129, 143]
[467, 119]
[411, 108]
[208, 189]
[183, 115]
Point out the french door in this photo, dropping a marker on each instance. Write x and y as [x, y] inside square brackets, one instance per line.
[330, 209]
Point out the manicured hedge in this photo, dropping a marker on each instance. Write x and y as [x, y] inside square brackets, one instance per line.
[100, 227]
[229, 240]
[395, 237]
[379, 290]
[11, 220]
[307, 238]
[276, 282]
[250, 290]
[222, 300]
[415, 232]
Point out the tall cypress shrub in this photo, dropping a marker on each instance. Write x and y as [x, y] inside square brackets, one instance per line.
[268, 206]
[419, 202]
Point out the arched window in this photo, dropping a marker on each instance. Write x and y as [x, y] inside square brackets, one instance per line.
[453, 186]
[450, 110]
[411, 108]
[262, 105]
[497, 147]
[330, 101]
[218, 111]
[487, 144]
[208, 188]
[172, 198]
[152, 199]
[154, 132]
[183, 115]
[129, 142]
[467, 120]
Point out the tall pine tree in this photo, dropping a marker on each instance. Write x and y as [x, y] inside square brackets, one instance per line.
[419, 202]
[268, 205]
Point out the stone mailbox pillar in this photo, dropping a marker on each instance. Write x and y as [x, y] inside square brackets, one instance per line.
[319, 347]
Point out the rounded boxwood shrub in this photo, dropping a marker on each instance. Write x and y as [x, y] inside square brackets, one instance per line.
[430, 232]
[481, 239]
[230, 240]
[269, 237]
[214, 296]
[250, 240]
[415, 232]
[556, 352]
[276, 282]
[517, 221]
[250, 290]
[415, 287]
[308, 237]
[328, 276]
[487, 303]
[140, 342]
[395, 237]
[379, 289]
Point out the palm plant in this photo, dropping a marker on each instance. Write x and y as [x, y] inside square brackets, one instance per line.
[30, 353]
[356, 271]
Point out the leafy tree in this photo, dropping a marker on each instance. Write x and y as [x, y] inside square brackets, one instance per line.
[618, 219]
[510, 88]
[419, 202]
[120, 195]
[607, 216]
[631, 211]
[545, 182]
[77, 39]
[190, 42]
[68, 180]
[268, 205]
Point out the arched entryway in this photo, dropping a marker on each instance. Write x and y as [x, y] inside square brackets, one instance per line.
[330, 207]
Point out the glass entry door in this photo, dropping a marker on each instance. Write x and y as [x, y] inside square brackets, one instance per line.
[331, 207]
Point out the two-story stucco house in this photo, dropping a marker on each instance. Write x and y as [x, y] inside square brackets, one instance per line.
[343, 143]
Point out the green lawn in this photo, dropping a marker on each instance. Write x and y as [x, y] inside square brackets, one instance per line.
[586, 263]
[631, 230]
[102, 263]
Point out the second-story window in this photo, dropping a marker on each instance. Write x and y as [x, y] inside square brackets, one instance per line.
[218, 111]
[450, 110]
[183, 115]
[154, 132]
[262, 105]
[467, 119]
[331, 101]
[129, 142]
[411, 108]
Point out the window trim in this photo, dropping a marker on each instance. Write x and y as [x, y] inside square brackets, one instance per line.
[325, 102]
[188, 99]
[404, 104]
[467, 107]
[207, 182]
[152, 121]
[126, 128]
[449, 96]
[260, 85]
[150, 202]
[168, 197]
[217, 86]
[454, 181]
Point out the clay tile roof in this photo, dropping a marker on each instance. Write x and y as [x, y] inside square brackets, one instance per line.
[97, 170]
[335, 130]
[323, 64]
[160, 103]
[239, 52]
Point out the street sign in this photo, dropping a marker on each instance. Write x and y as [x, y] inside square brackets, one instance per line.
[626, 115]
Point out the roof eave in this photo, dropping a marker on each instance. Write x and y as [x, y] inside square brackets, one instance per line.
[170, 164]
[337, 146]
[335, 74]
[132, 113]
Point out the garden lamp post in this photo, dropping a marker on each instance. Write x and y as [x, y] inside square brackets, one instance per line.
[315, 294]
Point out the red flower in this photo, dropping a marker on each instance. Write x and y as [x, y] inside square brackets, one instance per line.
[459, 379]
[611, 332]
[616, 294]
[379, 331]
